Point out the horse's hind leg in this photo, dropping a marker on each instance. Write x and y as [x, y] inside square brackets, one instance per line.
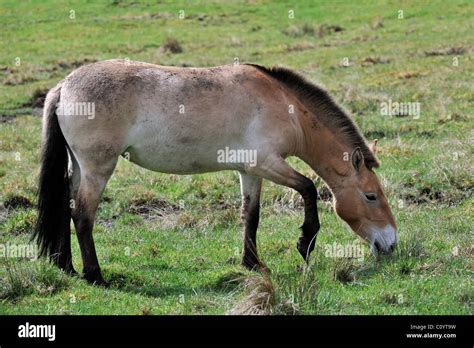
[277, 170]
[250, 187]
[92, 184]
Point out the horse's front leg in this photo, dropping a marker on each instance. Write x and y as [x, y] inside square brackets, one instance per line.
[250, 187]
[311, 225]
[277, 170]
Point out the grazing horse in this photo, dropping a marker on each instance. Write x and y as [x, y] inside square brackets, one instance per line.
[246, 118]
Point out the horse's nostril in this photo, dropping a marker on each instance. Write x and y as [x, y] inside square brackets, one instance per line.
[377, 247]
[392, 247]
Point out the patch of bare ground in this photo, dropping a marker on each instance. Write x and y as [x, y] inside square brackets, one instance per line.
[467, 251]
[361, 38]
[145, 16]
[151, 207]
[171, 45]
[300, 47]
[17, 202]
[312, 30]
[429, 195]
[326, 29]
[446, 51]
[19, 79]
[34, 105]
[36, 101]
[108, 223]
[405, 75]
[7, 118]
[3, 213]
[361, 102]
[63, 65]
[368, 61]
[455, 117]
[377, 23]
[13, 76]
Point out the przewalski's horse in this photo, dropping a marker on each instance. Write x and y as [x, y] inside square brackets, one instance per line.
[180, 121]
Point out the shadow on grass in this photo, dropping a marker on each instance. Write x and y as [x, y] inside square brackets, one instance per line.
[226, 283]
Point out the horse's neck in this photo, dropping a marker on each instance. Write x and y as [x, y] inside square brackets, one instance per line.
[325, 151]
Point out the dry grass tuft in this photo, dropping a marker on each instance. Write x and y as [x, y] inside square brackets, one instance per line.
[260, 297]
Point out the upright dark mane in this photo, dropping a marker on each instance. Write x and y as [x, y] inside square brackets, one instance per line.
[321, 103]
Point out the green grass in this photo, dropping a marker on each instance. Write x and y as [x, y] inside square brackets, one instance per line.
[182, 254]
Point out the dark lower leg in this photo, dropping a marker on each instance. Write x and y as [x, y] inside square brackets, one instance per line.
[83, 214]
[278, 171]
[250, 217]
[250, 214]
[92, 271]
[311, 225]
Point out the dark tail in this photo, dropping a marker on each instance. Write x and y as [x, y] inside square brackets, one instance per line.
[54, 214]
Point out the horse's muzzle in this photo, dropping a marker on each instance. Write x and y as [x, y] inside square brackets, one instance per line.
[384, 240]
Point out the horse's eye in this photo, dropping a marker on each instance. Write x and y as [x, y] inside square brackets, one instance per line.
[371, 196]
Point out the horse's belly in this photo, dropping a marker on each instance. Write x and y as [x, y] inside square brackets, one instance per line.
[176, 153]
[176, 162]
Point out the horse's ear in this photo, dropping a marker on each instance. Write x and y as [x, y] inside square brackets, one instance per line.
[373, 146]
[357, 158]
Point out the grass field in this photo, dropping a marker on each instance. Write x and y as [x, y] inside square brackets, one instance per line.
[172, 244]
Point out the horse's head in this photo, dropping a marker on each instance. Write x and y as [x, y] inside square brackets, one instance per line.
[360, 201]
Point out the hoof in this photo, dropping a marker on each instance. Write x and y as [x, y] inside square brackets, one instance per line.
[252, 263]
[255, 265]
[64, 264]
[304, 247]
[95, 278]
[69, 269]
